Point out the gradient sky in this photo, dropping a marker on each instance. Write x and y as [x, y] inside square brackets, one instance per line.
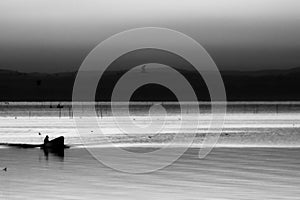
[56, 35]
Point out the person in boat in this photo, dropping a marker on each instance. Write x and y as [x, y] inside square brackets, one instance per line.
[46, 140]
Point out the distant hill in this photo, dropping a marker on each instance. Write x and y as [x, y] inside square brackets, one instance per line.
[266, 85]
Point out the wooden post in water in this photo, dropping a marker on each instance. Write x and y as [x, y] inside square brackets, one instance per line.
[101, 111]
[70, 113]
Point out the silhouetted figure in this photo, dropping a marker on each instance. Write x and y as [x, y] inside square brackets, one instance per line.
[5, 169]
[46, 140]
[40, 133]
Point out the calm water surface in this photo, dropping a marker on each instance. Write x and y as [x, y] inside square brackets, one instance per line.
[226, 173]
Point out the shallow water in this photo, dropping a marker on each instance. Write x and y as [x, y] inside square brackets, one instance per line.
[226, 173]
[280, 130]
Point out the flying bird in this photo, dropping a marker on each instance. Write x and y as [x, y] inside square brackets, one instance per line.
[144, 69]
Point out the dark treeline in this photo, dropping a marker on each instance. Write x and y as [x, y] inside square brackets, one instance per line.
[268, 85]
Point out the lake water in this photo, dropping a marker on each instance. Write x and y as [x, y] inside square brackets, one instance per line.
[226, 173]
[256, 157]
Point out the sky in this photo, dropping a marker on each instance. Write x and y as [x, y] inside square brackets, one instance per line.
[56, 35]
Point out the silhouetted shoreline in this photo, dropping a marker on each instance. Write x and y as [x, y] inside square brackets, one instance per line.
[265, 85]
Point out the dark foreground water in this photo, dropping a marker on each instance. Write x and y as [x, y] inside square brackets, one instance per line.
[226, 173]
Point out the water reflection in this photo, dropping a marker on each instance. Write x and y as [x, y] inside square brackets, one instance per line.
[58, 153]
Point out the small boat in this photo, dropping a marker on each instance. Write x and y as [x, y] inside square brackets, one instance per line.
[55, 146]
[57, 143]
